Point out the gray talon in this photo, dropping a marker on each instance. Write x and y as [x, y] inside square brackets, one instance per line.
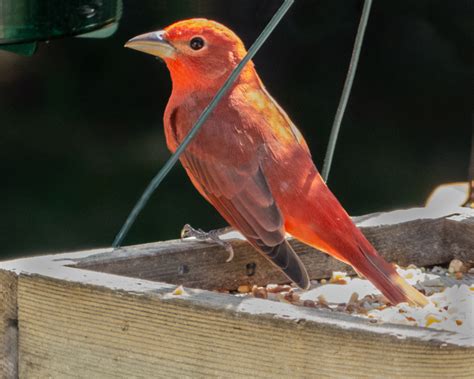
[228, 247]
[211, 236]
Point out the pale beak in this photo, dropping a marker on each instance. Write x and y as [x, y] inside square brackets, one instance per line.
[154, 43]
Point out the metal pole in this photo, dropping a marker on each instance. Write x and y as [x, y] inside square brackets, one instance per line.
[470, 199]
[346, 90]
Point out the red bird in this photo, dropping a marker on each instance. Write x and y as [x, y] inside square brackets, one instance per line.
[251, 162]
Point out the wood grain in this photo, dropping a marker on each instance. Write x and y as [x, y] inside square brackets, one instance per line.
[71, 315]
[459, 237]
[8, 325]
[69, 330]
[423, 242]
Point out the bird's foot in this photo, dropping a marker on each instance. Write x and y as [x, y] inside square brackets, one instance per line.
[211, 236]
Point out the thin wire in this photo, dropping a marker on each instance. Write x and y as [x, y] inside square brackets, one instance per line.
[202, 118]
[346, 90]
[470, 199]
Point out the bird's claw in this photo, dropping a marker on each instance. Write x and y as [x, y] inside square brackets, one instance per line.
[211, 236]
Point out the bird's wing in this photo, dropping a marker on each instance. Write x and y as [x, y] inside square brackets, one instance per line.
[258, 107]
[242, 196]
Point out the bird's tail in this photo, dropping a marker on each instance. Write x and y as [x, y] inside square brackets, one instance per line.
[350, 246]
[285, 258]
[385, 277]
[319, 220]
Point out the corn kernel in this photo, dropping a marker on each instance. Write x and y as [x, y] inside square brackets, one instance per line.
[245, 288]
[178, 291]
[430, 319]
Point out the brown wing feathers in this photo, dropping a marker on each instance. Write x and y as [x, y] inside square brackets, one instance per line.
[243, 198]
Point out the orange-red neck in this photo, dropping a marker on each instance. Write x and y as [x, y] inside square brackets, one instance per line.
[187, 79]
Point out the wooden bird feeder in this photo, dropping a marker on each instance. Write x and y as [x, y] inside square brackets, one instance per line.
[116, 314]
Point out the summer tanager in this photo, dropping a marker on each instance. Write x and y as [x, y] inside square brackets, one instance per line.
[251, 162]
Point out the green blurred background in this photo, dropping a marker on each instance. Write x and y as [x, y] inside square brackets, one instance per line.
[81, 120]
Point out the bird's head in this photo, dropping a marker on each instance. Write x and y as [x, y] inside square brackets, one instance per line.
[199, 53]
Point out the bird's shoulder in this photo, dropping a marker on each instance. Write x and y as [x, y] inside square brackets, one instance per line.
[258, 109]
[223, 138]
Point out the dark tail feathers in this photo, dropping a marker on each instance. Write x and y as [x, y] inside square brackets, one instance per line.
[288, 261]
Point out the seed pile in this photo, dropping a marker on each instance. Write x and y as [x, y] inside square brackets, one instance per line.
[450, 292]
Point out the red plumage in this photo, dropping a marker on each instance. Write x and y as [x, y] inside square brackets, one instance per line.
[252, 164]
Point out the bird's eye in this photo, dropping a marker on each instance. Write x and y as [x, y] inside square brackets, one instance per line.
[197, 43]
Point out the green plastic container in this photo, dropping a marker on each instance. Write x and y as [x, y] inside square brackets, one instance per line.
[23, 23]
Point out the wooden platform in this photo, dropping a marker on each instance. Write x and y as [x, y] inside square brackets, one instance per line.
[114, 314]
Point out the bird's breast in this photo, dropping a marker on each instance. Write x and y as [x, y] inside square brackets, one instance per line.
[225, 136]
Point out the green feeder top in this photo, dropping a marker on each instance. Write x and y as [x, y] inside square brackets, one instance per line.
[23, 23]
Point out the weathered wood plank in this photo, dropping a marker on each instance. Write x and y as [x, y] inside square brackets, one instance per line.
[81, 323]
[75, 322]
[8, 325]
[80, 330]
[460, 237]
[416, 236]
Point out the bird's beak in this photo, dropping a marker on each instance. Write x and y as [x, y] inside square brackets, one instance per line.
[154, 43]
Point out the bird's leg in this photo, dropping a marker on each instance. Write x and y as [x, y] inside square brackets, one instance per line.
[211, 236]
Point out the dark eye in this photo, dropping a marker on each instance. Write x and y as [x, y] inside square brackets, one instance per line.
[196, 43]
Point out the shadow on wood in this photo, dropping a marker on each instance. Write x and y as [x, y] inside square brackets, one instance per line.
[412, 240]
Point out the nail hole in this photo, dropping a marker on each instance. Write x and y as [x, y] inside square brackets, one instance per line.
[250, 268]
[12, 322]
[183, 269]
